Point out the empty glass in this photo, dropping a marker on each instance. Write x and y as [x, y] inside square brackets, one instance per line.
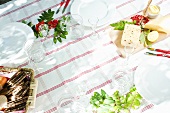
[74, 26]
[122, 78]
[35, 51]
[93, 22]
[68, 104]
[47, 42]
[128, 52]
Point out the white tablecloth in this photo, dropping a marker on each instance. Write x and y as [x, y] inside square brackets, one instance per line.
[76, 59]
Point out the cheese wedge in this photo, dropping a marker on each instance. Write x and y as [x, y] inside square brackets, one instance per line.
[131, 35]
[161, 24]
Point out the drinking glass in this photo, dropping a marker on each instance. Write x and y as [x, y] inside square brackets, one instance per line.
[93, 21]
[47, 42]
[128, 52]
[35, 52]
[74, 26]
[122, 79]
[68, 104]
[80, 92]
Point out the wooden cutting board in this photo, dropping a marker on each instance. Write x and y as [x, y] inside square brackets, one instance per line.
[116, 36]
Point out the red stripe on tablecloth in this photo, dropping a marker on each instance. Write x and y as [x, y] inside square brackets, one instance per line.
[64, 63]
[99, 86]
[69, 43]
[38, 12]
[11, 19]
[147, 107]
[78, 40]
[19, 8]
[124, 4]
[95, 88]
[68, 61]
[75, 77]
[51, 110]
[107, 82]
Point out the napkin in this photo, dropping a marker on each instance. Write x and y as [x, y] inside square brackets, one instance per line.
[160, 24]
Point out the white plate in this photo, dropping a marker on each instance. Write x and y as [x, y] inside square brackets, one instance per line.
[13, 37]
[103, 9]
[152, 80]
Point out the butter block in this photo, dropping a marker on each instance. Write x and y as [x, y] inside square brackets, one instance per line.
[130, 36]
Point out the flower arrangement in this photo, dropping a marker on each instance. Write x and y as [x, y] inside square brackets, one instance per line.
[46, 23]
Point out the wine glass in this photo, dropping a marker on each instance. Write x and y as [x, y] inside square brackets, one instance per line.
[128, 52]
[93, 21]
[74, 26]
[68, 104]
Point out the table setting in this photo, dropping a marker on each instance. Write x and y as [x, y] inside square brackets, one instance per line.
[84, 56]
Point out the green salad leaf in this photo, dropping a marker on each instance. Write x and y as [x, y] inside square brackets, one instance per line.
[116, 103]
[120, 25]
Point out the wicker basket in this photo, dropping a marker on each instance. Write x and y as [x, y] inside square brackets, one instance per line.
[31, 93]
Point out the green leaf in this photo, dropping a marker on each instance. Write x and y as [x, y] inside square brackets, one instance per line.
[120, 25]
[136, 102]
[103, 93]
[59, 39]
[96, 94]
[63, 36]
[46, 16]
[148, 43]
[64, 18]
[142, 37]
[65, 33]
[39, 20]
[108, 101]
[55, 34]
[55, 40]
[130, 99]
[147, 32]
[40, 34]
[30, 24]
[36, 34]
[138, 96]
[24, 21]
[126, 111]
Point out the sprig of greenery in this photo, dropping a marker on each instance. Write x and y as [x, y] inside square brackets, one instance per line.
[46, 16]
[121, 24]
[60, 31]
[30, 24]
[143, 37]
[116, 102]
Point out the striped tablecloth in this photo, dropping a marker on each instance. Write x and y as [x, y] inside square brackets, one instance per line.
[76, 59]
